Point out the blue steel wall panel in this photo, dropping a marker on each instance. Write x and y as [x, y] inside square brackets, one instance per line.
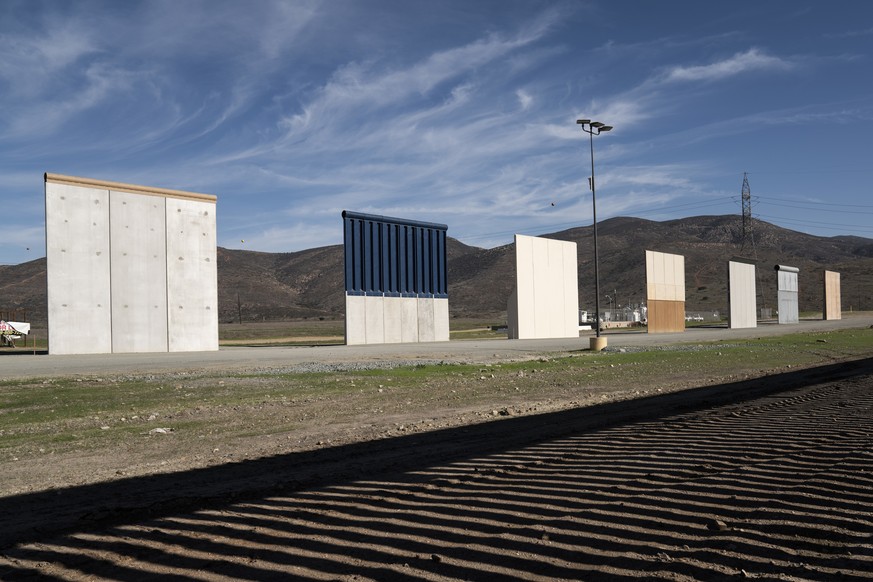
[394, 256]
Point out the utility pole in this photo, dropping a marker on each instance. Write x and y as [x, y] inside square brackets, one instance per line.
[748, 241]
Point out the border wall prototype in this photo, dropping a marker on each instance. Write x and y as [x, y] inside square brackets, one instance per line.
[833, 308]
[129, 268]
[787, 294]
[741, 294]
[665, 292]
[395, 279]
[545, 302]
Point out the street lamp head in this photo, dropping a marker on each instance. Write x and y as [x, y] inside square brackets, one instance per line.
[583, 121]
[597, 124]
[605, 128]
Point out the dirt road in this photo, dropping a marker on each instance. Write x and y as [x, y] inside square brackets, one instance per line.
[767, 478]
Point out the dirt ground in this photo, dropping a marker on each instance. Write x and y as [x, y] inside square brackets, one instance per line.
[768, 478]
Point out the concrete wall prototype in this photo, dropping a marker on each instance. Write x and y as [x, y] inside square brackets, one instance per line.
[787, 291]
[395, 279]
[833, 308]
[665, 292]
[741, 295]
[129, 268]
[545, 303]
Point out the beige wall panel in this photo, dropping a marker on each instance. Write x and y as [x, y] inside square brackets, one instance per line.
[542, 275]
[408, 319]
[192, 276]
[393, 318]
[441, 319]
[374, 319]
[666, 316]
[545, 303]
[137, 226]
[570, 280]
[742, 295]
[833, 308]
[426, 330]
[77, 269]
[356, 317]
[524, 286]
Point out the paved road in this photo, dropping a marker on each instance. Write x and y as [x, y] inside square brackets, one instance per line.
[13, 366]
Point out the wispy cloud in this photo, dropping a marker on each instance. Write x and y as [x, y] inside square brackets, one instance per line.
[750, 60]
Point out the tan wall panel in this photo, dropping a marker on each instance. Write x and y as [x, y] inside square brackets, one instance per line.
[665, 276]
[666, 316]
[833, 308]
[545, 303]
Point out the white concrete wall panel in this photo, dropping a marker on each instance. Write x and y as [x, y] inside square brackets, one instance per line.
[545, 303]
[356, 317]
[833, 307]
[525, 297]
[393, 320]
[374, 319]
[77, 266]
[138, 266]
[192, 276]
[426, 329]
[569, 326]
[787, 295]
[408, 319]
[741, 295]
[441, 319]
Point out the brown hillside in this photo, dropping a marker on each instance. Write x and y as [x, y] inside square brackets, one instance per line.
[308, 284]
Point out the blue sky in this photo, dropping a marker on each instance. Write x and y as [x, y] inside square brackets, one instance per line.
[458, 112]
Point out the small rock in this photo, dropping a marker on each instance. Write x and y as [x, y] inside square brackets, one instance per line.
[716, 525]
[436, 558]
[161, 430]
[104, 427]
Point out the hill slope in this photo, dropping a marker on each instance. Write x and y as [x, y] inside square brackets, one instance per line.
[268, 286]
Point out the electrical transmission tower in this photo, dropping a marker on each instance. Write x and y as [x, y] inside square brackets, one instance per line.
[748, 241]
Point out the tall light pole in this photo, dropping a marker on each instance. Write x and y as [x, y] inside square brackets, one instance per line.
[593, 128]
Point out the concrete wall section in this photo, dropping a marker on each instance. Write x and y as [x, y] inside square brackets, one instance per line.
[384, 320]
[440, 319]
[545, 303]
[110, 282]
[787, 294]
[356, 317]
[665, 292]
[77, 268]
[192, 276]
[833, 308]
[408, 319]
[741, 295]
[138, 272]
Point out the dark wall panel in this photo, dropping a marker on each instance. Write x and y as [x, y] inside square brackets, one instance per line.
[394, 256]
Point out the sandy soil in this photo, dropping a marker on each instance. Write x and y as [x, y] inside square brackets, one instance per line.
[764, 478]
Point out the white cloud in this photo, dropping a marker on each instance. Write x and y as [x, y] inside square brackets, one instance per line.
[525, 99]
[751, 60]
